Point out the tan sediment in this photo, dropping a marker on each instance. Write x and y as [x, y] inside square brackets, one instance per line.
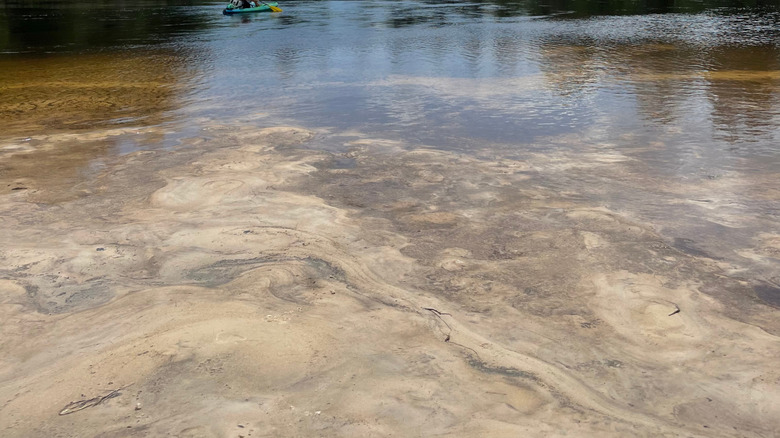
[247, 289]
[67, 92]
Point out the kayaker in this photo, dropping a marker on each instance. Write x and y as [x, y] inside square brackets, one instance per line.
[241, 4]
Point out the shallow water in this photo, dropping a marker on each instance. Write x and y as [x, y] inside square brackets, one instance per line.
[482, 219]
[687, 95]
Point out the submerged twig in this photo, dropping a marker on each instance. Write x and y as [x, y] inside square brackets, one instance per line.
[676, 311]
[76, 406]
[439, 314]
[468, 348]
[431, 309]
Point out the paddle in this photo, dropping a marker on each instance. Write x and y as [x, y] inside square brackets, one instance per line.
[273, 8]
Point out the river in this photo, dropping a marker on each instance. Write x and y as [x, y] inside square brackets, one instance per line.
[551, 174]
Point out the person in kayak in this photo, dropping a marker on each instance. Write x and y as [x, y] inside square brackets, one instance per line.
[242, 4]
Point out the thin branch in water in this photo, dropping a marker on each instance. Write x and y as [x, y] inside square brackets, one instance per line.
[431, 309]
[83, 404]
[438, 314]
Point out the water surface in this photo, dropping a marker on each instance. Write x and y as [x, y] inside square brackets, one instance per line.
[445, 74]
[482, 219]
[678, 93]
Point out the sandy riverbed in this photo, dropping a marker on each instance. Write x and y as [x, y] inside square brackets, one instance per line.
[247, 285]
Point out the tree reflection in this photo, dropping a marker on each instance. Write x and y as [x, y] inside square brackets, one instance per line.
[743, 90]
[570, 69]
[733, 89]
[582, 8]
[61, 25]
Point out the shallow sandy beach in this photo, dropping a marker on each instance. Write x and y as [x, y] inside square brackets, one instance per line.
[246, 284]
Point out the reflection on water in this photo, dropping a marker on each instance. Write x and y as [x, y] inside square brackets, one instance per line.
[454, 72]
[61, 25]
[574, 8]
[449, 75]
